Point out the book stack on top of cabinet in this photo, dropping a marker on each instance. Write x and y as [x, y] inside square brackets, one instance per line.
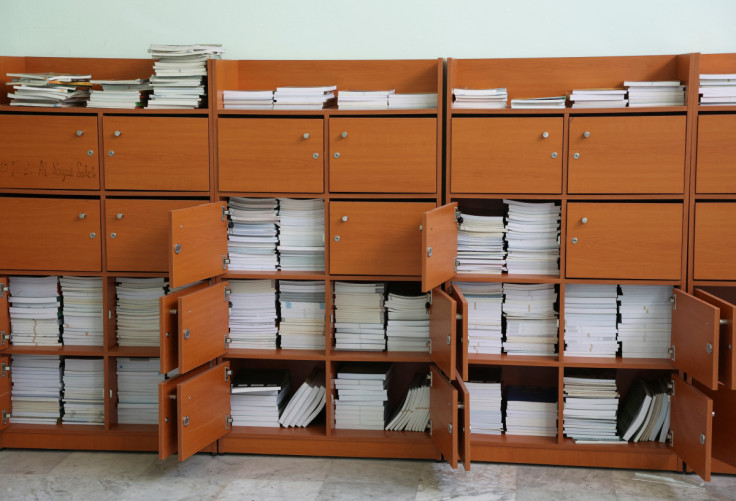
[180, 75]
[480, 98]
[656, 93]
[49, 90]
[717, 89]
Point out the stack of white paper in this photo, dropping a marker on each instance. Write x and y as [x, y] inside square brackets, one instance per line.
[362, 396]
[180, 74]
[531, 319]
[598, 98]
[359, 316]
[363, 99]
[413, 415]
[717, 89]
[253, 314]
[480, 245]
[49, 90]
[407, 328]
[531, 411]
[591, 406]
[590, 320]
[34, 311]
[126, 94]
[247, 99]
[661, 93]
[252, 236]
[304, 98]
[258, 397]
[138, 380]
[480, 98]
[138, 310]
[84, 388]
[302, 325]
[646, 321]
[307, 403]
[302, 234]
[83, 310]
[485, 301]
[485, 407]
[533, 237]
[542, 103]
[36, 392]
[412, 101]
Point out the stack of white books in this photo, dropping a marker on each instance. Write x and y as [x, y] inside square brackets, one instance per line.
[480, 98]
[35, 311]
[362, 396]
[307, 403]
[247, 99]
[590, 320]
[485, 329]
[304, 98]
[480, 245]
[84, 391]
[531, 319]
[591, 407]
[301, 234]
[533, 237]
[138, 380]
[253, 236]
[360, 316]
[407, 328]
[83, 310]
[717, 89]
[253, 314]
[539, 103]
[302, 325]
[49, 90]
[659, 93]
[416, 101]
[36, 392]
[138, 310]
[645, 325]
[125, 94]
[258, 396]
[486, 417]
[180, 75]
[644, 415]
[413, 415]
[531, 411]
[363, 99]
[598, 98]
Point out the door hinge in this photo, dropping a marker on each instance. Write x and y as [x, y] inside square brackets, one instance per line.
[228, 375]
[429, 378]
[3, 289]
[4, 369]
[430, 427]
[671, 351]
[458, 216]
[673, 300]
[429, 299]
[228, 421]
[228, 340]
[671, 388]
[227, 293]
[449, 428]
[671, 438]
[4, 338]
[429, 350]
[456, 264]
[225, 213]
[449, 339]
[6, 417]
[225, 261]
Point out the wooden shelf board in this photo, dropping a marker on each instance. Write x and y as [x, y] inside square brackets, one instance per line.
[478, 439]
[715, 196]
[619, 281]
[273, 275]
[135, 351]
[164, 274]
[376, 278]
[417, 197]
[276, 354]
[521, 360]
[66, 350]
[222, 195]
[68, 429]
[619, 363]
[625, 196]
[34, 191]
[40, 109]
[714, 283]
[379, 356]
[507, 278]
[317, 431]
[134, 429]
[394, 437]
[203, 195]
[455, 197]
[722, 107]
[328, 112]
[573, 111]
[507, 111]
[81, 437]
[635, 448]
[52, 272]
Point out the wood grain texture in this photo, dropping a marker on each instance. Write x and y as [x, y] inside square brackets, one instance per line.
[716, 154]
[715, 239]
[463, 412]
[443, 398]
[201, 233]
[724, 432]
[439, 233]
[169, 326]
[691, 418]
[204, 317]
[694, 327]
[4, 316]
[442, 333]
[726, 338]
[461, 329]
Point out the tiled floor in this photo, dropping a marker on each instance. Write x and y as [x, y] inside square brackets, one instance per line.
[142, 477]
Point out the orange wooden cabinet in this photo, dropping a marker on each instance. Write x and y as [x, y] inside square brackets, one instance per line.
[716, 154]
[715, 240]
[5, 385]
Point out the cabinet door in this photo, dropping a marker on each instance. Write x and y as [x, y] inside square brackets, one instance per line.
[443, 415]
[270, 155]
[715, 239]
[439, 246]
[726, 339]
[383, 155]
[156, 153]
[506, 155]
[627, 154]
[461, 329]
[442, 334]
[376, 238]
[50, 234]
[169, 326]
[724, 417]
[691, 423]
[463, 413]
[136, 233]
[4, 315]
[197, 243]
[624, 240]
[204, 317]
[716, 162]
[5, 385]
[695, 338]
[49, 152]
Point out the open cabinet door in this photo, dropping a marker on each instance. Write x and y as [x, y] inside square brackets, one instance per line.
[197, 243]
[726, 339]
[4, 315]
[169, 326]
[204, 317]
[695, 338]
[443, 415]
[463, 412]
[5, 384]
[461, 331]
[691, 424]
[443, 342]
[724, 417]
[439, 246]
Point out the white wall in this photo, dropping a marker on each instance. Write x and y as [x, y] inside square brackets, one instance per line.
[369, 29]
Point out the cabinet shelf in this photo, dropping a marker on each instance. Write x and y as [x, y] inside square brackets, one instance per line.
[520, 360]
[619, 363]
[275, 354]
[65, 351]
[618, 281]
[379, 356]
[135, 351]
[477, 439]
[273, 275]
[317, 431]
[507, 278]
[328, 112]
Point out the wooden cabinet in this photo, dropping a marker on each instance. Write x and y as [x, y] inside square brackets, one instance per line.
[716, 154]
[715, 240]
[5, 385]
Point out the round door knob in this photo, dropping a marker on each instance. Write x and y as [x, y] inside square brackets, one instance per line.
[90, 152]
[315, 155]
[117, 133]
[344, 218]
[92, 235]
[113, 235]
[576, 155]
[584, 220]
[306, 135]
[80, 132]
[110, 153]
[554, 154]
[336, 155]
[344, 134]
[82, 215]
[119, 215]
[545, 134]
[337, 238]
[586, 134]
[574, 240]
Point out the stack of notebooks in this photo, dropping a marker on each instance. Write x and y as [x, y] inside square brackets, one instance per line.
[125, 94]
[253, 314]
[247, 99]
[644, 415]
[531, 411]
[590, 320]
[407, 328]
[362, 396]
[590, 413]
[486, 416]
[539, 103]
[412, 101]
[258, 396]
[36, 392]
[533, 237]
[485, 329]
[138, 310]
[307, 403]
[717, 89]
[488, 99]
[598, 98]
[302, 325]
[360, 316]
[84, 391]
[138, 380]
[49, 90]
[301, 234]
[34, 311]
[659, 93]
[480, 245]
[645, 325]
[304, 98]
[363, 99]
[531, 319]
[180, 75]
[83, 310]
[252, 235]
[413, 415]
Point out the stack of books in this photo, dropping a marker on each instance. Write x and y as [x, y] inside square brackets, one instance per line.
[363, 99]
[83, 310]
[138, 380]
[407, 328]
[480, 246]
[717, 89]
[253, 314]
[362, 396]
[180, 75]
[360, 316]
[486, 99]
[247, 99]
[533, 237]
[138, 310]
[598, 98]
[539, 103]
[36, 392]
[252, 234]
[590, 320]
[645, 325]
[125, 94]
[531, 319]
[644, 415]
[486, 416]
[84, 391]
[413, 415]
[302, 325]
[660, 93]
[49, 90]
[301, 234]
[258, 396]
[485, 329]
[417, 101]
[307, 403]
[35, 311]
[304, 98]
[591, 406]
[531, 411]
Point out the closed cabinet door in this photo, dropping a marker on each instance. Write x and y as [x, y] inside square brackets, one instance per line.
[624, 240]
[715, 241]
[716, 162]
[50, 234]
[270, 155]
[376, 238]
[156, 153]
[383, 155]
[506, 155]
[49, 152]
[640, 154]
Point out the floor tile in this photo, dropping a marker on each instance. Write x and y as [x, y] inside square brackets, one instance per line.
[392, 471]
[270, 490]
[104, 464]
[18, 487]
[368, 491]
[565, 479]
[629, 485]
[180, 489]
[483, 481]
[30, 461]
[527, 494]
[82, 488]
